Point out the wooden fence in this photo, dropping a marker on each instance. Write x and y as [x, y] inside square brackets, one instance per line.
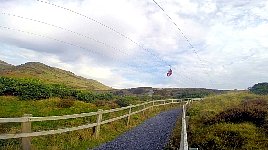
[184, 125]
[26, 120]
[184, 122]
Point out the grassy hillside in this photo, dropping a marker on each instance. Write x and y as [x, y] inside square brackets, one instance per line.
[49, 74]
[4, 65]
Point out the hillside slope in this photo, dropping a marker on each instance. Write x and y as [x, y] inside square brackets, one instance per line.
[50, 75]
[4, 65]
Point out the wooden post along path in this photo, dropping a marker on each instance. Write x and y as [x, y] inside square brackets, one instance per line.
[129, 113]
[99, 118]
[26, 127]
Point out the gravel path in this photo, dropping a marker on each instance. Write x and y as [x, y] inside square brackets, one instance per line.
[153, 134]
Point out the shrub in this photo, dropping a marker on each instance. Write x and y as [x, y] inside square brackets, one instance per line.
[65, 103]
[253, 111]
[260, 88]
[32, 89]
[8, 86]
[122, 102]
[110, 104]
[61, 91]
[226, 136]
[85, 96]
[229, 121]
[104, 96]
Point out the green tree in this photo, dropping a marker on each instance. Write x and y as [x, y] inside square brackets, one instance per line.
[260, 88]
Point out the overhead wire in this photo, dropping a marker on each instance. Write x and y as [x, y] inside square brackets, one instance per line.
[79, 34]
[87, 36]
[184, 36]
[50, 38]
[108, 27]
[58, 40]
[68, 30]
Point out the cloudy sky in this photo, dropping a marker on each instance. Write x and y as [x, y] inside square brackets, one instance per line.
[130, 43]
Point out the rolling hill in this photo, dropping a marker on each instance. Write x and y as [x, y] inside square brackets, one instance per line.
[4, 65]
[49, 74]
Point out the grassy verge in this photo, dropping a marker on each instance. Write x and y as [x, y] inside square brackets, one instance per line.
[227, 121]
[82, 139]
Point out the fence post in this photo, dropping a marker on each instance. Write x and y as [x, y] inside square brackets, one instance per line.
[183, 142]
[26, 127]
[99, 118]
[143, 112]
[153, 105]
[187, 121]
[129, 112]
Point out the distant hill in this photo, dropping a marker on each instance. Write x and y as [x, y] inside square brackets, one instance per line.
[49, 74]
[4, 65]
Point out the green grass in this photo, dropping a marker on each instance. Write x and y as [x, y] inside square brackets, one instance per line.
[229, 121]
[82, 139]
[13, 107]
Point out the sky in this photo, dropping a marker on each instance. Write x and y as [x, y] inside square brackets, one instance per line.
[219, 44]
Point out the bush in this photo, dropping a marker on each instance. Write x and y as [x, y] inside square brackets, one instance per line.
[122, 102]
[260, 88]
[254, 111]
[32, 89]
[225, 137]
[25, 88]
[110, 104]
[8, 86]
[65, 103]
[229, 121]
[85, 96]
[61, 91]
[104, 96]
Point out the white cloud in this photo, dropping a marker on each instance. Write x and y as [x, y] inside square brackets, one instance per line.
[230, 38]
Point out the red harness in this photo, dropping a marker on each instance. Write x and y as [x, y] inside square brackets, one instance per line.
[169, 73]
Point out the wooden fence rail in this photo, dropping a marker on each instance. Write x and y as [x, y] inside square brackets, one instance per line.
[184, 142]
[27, 119]
[184, 124]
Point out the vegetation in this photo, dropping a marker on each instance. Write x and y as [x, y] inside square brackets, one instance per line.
[160, 93]
[192, 94]
[13, 107]
[187, 92]
[229, 121]
[4, 65]
[40, 90]
[50, 75]
[260, 88]
[33, 89]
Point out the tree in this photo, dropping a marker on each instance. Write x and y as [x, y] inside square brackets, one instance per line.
[260, 88]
